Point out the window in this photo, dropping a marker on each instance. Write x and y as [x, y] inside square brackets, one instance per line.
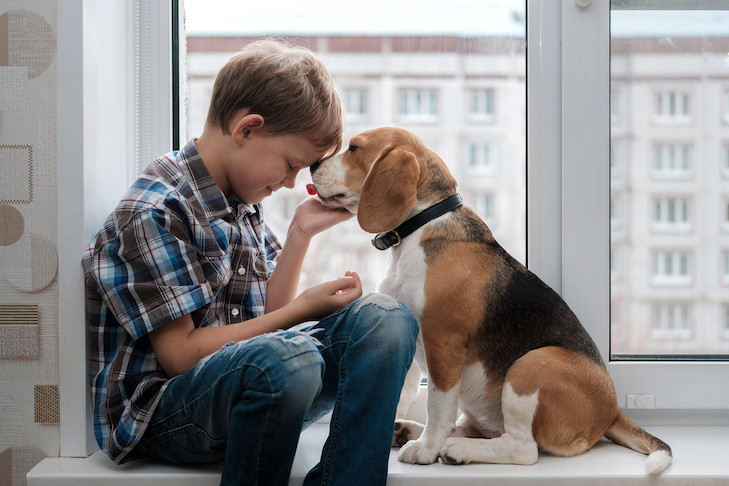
[671, 322]
[671, 268]
[669, 131]
[725, 159]
[481, 105]
[484, 207]
[671, 214]
[355, 101]
[679, 253]
[672, 160]
[389, 70]
[725, 267]
[569, 87]
[672, 104]
[418, 105]
[482, 158]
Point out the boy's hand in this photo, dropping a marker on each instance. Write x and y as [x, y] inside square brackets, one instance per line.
[312, 217]
[321, 300]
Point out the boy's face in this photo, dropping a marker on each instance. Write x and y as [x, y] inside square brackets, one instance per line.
[264, 163]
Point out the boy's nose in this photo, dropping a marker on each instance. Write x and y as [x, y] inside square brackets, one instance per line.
[288, 182]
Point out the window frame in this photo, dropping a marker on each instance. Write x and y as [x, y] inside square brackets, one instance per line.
[568, 240]
[693, 387]
[114, 111]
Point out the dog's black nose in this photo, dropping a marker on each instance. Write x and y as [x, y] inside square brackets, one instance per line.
[314, 166]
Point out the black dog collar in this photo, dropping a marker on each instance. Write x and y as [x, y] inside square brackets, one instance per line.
[392, 238]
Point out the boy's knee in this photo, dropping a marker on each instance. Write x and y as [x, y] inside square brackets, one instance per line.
[390, 319]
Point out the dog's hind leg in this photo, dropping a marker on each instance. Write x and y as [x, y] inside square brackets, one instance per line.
[515, 446]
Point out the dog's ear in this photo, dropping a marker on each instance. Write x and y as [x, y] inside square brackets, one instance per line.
[390, 191]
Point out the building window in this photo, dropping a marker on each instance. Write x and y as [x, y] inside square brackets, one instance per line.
[725, 268]
[671, 213]
[725, 105]
[725, 159]
[671, 268]
[355, 101]
[614, 212]
[481, 105]
[419, 104]
[672, 104]
[725, 322]
[482, 158]
[672, 160]
[671, 322]
[614, 100]
[483, 205]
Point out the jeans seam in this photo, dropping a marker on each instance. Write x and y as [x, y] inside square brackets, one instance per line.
[336, 418]
[266, 425]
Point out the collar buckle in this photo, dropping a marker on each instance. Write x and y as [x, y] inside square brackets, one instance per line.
[383, 241]
[393, 238]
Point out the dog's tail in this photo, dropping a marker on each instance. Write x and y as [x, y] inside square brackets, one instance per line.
[628, 434]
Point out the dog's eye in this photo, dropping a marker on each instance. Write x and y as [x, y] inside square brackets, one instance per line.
[352, 148]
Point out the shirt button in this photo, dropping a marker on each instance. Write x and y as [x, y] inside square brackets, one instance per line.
[242, 271]
[235, 312]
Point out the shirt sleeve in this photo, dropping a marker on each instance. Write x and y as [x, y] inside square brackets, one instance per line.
[273, 249]
[149, 274]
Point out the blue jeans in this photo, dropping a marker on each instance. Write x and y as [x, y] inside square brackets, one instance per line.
[247, 403]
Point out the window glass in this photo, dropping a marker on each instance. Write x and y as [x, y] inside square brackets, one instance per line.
[440, 69]
[669, 139]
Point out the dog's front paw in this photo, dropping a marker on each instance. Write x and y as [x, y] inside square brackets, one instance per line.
[418, 452]
[456, 451]
[406, 430]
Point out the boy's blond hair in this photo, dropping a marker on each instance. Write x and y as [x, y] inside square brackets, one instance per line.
[289, 86]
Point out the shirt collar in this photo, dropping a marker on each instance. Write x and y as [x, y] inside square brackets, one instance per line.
[212, 199]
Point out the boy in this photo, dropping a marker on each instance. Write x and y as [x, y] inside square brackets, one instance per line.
[191, 298]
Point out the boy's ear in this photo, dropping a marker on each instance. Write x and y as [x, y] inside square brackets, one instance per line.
[245, 126]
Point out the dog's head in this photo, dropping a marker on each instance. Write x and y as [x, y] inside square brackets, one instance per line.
[383, 176]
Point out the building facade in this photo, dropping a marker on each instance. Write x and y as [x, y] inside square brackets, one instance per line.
[466, 97]
[670, 195]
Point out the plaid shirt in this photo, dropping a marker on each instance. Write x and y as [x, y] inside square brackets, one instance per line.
[174, 245]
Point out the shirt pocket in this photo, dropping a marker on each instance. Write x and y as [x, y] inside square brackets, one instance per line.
[217, 269]
[260, 265]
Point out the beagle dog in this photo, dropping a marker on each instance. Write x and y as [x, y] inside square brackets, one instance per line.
[495, 341]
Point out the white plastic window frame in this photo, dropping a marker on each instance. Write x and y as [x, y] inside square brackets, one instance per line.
[567, 176]
[114, 112]
[685, 391]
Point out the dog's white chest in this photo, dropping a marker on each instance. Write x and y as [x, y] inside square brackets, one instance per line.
[405, 278]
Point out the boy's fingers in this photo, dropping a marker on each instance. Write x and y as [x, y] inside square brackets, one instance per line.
[341, 283]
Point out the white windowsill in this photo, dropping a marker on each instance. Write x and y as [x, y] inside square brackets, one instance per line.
[699, 459]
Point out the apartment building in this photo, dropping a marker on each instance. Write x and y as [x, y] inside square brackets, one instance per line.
[466, 97]
[670, 195]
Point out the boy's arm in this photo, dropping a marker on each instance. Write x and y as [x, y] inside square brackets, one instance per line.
[311, 217]
[179, 345]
